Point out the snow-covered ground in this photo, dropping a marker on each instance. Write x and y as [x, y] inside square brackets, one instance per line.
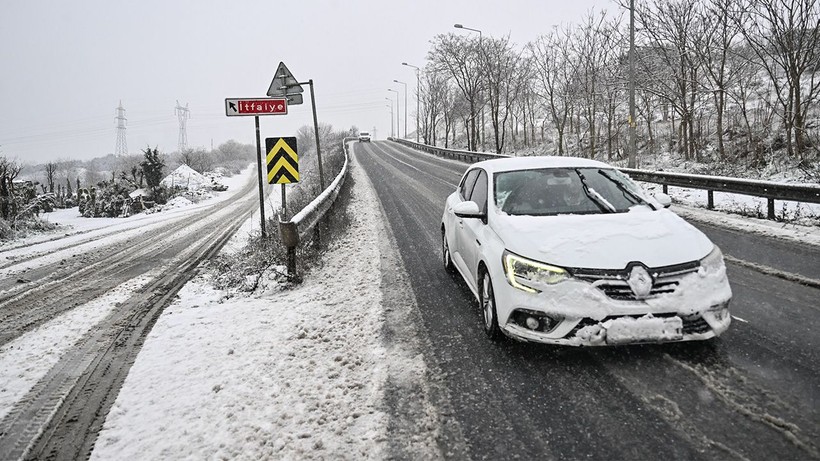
[28, 358]
[281, 374]
[290, 374]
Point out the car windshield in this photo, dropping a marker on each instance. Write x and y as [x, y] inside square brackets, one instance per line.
[552, 191]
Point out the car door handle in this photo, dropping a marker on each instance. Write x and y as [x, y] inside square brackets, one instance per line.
[478, 242]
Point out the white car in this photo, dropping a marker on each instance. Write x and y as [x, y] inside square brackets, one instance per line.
[570, 251]
[364, 136]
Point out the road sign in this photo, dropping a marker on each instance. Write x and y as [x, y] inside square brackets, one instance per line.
[283, 160]
[255, 106]
[294, 99]
[284, 84]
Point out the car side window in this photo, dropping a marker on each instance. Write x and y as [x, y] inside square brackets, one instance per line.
[467, 184]
[479, 194]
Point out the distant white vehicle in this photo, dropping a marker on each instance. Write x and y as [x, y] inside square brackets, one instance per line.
[570, 251]
[364, 136]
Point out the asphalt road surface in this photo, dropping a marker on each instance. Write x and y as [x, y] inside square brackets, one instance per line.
[751, 394]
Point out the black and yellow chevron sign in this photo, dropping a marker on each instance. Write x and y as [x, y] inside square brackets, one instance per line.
[283, 160]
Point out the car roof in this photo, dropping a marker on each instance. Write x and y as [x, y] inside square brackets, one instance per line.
[532, 163]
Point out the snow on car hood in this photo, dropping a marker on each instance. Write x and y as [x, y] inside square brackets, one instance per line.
[605, 241]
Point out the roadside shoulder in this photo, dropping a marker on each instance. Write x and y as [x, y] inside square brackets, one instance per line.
[794, 233]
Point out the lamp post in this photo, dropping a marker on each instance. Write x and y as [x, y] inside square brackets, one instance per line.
[633, 148]
[481, 47]
[418, 96]
[398, 107]
[391, 116]
[405, 106]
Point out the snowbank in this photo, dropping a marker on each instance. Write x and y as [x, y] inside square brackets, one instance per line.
[186, 177]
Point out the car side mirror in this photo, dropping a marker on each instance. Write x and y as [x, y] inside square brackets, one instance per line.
[467, 210]
[663, 199]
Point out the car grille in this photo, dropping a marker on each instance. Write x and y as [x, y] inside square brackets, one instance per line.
[614, 284]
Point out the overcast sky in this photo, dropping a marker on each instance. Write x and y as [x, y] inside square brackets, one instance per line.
[67, 65]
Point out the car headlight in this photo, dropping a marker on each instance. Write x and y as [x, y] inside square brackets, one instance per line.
[713, 261]
[526, 274]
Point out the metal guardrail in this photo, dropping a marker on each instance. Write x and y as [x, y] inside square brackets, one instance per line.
[771, 191]
[305, 221]
[463, 155]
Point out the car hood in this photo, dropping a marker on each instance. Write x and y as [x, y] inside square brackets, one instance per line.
[606, 241]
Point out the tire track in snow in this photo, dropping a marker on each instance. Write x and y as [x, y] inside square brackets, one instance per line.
[62, 414]
[756, 403]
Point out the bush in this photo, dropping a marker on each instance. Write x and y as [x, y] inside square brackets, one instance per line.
[24, 226]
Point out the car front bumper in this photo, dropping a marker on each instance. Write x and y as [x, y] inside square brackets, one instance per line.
[575, 313]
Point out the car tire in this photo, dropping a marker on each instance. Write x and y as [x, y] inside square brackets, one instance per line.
[445, 253]
[489, 314]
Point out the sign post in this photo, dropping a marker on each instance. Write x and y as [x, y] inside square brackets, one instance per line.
[284, 84]
[239, 107]
[261, 187]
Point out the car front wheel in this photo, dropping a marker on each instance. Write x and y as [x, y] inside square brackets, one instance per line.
[488, 308]
[445, 253]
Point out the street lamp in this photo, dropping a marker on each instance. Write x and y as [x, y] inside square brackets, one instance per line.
[405, 106]
[391, 115]
[459, 26]
[418, 96]
[481, 47]
[398, 106]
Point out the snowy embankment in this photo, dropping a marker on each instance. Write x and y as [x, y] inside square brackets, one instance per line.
[290, 374]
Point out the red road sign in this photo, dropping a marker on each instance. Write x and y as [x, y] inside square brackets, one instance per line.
[256, 106]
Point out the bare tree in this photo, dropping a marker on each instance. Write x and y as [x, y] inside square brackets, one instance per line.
[198, 159]
[714, 48]
[668, 27]
[785, 36]
[592, 45]
[51, 171]
[432, 99]
[9, 170]
[500, 69]
[459, 57]
[450, 112]
[551, 64]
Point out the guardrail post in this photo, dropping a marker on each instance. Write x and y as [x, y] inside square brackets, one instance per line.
[710, 200]
[771, 208]
[290, 238]
[666, 189]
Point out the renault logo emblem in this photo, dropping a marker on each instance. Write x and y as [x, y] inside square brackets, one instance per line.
[640, 282]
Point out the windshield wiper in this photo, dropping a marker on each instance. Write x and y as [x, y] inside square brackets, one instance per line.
[597, 198]
[620, 185]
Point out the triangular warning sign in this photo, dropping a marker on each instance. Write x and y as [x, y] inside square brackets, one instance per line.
[284, 83]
